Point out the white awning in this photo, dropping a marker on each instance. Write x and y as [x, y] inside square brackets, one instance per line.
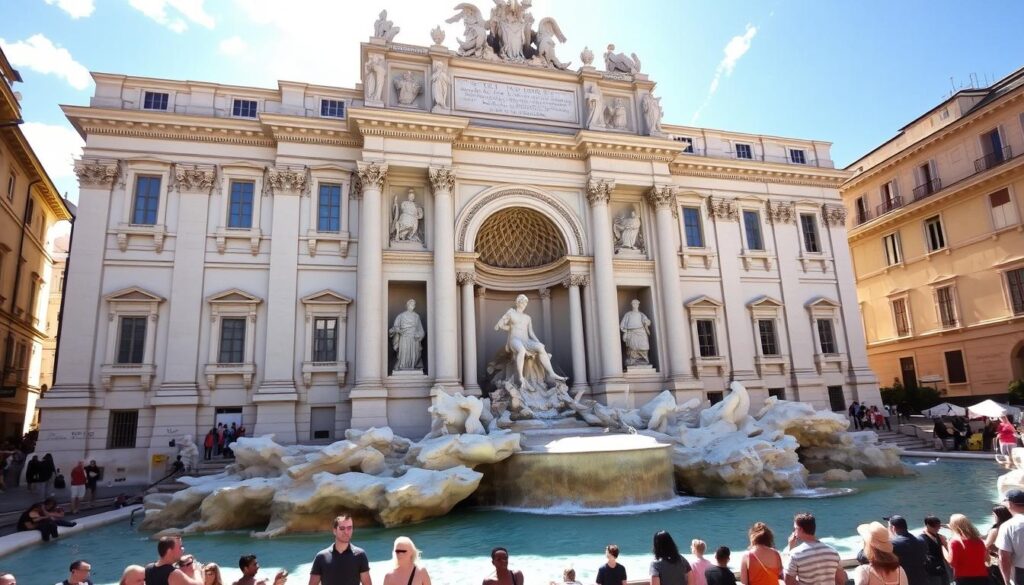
[992, 409]
[944, 409]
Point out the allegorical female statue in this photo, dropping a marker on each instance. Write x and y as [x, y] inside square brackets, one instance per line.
[522, 341]
[636, 333]
[408, 88]
[406, 338]
[405, 219]
[626, 230]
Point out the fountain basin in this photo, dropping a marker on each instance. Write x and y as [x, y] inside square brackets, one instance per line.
[580, 469]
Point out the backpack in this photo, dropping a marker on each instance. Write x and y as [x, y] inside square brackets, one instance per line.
[58, 482]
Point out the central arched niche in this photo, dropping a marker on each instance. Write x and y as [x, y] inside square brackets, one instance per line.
[518, 237]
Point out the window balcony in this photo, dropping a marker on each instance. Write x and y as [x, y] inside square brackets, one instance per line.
[863, 216]
[894, 203]
[927, 189]
[993, 159]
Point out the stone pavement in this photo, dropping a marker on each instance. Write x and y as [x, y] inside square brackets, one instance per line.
[16, 500]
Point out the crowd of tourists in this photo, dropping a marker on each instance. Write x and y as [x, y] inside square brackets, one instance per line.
[891, 555]
[219, 438]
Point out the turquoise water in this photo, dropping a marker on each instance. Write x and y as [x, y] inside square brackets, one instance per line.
[456, 548]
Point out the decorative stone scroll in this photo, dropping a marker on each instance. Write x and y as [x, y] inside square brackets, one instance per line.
[442, 178]
[287, 180]
[724, 209]
[371, 175]
[576, 280]
[97, 173]
[779, 212]
[194, 178]
[600, 190]
[834, 215]
[662, 196]
[465, 278]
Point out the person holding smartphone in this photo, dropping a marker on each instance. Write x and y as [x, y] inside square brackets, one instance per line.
[173, 567]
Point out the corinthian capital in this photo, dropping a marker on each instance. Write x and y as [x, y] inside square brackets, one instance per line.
[576, 280]
[600, 190]
[722, 208]
[371, 175]
[465, 278]
[662, 196]
[194, 177]
[287, 180]
[834, 215]
[442, 178]
[96, 172]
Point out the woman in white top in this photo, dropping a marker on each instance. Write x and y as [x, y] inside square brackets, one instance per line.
[406, 572]
[883, 566]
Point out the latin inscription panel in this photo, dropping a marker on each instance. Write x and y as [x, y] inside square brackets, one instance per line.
[507, 99]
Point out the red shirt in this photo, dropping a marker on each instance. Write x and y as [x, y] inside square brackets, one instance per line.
[1007, 434]
[968, 557]
[78, 476]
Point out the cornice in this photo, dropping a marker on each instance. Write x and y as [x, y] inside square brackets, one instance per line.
[518, 142]
[284, 128]
[409, 125]
[609, 145]
[686, 165]
[166, 126]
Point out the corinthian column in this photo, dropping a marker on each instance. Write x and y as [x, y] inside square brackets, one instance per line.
[663, 199]
[579, 351]
[369, 399]
[466, 280]
[598, 193]
[445, 301]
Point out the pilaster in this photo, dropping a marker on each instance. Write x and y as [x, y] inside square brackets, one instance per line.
[579, 351]
[445, 300]
[610, 385]
[469, 371]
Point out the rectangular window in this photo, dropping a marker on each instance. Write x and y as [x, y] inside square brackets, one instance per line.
[131, 343]
[329, 209]
[154, 100]
[947, 310]
[240, 210]
[30, 210]
[929, 183]
[1015, 284]
[893, 250]
[826, 336]
[325, 339]
[744, 151]
[321, 422]
[687, 143]
[752, 226]
[955, 367]
[147, 200]
[715, 397]
[769, 342]
[862, 209]
[244, 108]
[933, 233]
[11, 183]
[797, 156]
[706, 338]
[836, 399]
[901, 316]
[332, 108]
[777, 393]
[693, 228]
[122, 428]
[232, 341]
[809, 227]
[908, 371]
[1002, 209]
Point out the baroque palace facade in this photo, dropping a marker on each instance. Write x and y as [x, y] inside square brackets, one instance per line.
[246, 254]
[938, 244]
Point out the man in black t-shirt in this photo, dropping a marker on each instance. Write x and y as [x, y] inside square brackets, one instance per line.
[342, 563]
[720, 574]
[612, 573]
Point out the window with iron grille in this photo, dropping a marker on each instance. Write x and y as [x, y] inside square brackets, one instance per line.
[692, 225]
[752, 226]
[826, 336]
[1015, 284]
[797, 156]
[155, 100]
[955, 367]
[332, 108]
[147, 200]
[244, 108]
[769, 342]
[240, 207]
[744, 151]
[131, 343]
[862, 209]
[232, 340]
[122, 428]
[329, 209]
[809, 227]
[325, 339]
[706, 338]
[947, 310]
[901, 317]
[933, 231]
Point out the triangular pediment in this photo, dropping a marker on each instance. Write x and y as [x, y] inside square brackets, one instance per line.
[822, 302]
[703, 301]
[764, 301]
[234, 295]
[133, 295]
[326, 297]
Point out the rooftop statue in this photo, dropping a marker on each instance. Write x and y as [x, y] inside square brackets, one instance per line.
[384, 28]
[475, 42]
[508, 34]
[620, 63]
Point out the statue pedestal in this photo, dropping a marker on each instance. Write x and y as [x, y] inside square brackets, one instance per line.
[630, 254]
[640, 371]
[613, 394]
[407, 245]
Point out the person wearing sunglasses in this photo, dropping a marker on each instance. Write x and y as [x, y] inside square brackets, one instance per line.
[406, 571]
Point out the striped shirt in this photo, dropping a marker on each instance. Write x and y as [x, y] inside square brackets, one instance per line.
[813, 563]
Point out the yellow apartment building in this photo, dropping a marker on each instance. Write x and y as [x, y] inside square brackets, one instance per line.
[937, 241]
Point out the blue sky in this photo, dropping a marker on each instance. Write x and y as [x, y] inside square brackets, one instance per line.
[851, 73]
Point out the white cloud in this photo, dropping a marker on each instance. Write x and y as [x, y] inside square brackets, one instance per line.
[74, 8]
[734, 50]
[39, 54]
[57, 146]
[233, 46]
[184, 10]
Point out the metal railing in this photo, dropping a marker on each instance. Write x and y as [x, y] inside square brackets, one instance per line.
[893, 203]
[863, 216]
[993, 159]
[927, 189]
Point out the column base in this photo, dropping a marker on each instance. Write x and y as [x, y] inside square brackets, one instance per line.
[613, 393]
[369, 406]
[450, 387]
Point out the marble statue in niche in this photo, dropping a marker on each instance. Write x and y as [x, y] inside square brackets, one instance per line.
[384, 28]
[440, 85]
[406, 339]
[595, 112]
[615, 115]
[408, 88]
[636, 335]
[405, 219]
[375, 71]
[652, 114]
[522, 341]
[627, 232]
[620, 63]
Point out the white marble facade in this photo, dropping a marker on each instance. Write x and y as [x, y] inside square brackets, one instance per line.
[235, 251]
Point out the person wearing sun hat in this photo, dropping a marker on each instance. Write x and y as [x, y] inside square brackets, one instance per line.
[1010, 539]
[883, 566]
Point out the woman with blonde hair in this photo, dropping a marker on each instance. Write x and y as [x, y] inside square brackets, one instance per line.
[211, 574]
[133, 575]
[762, 565]
[883, 566]
[406, 571]
[966, 552]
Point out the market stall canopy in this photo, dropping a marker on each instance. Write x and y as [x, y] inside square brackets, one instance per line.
[944, 409]
[992, 409]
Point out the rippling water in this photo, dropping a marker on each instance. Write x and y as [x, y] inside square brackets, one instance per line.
[456, 548]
